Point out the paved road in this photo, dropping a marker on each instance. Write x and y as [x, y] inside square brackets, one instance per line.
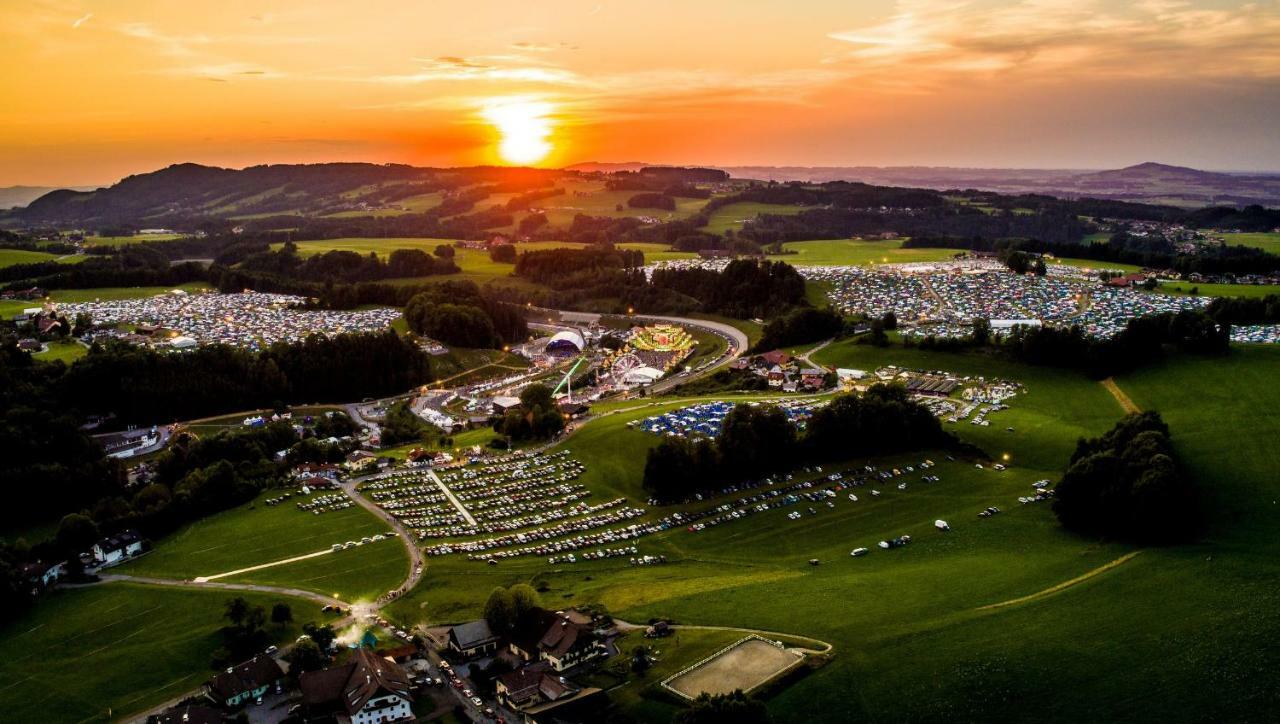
[417, 563]
[462, 510]
[319, 598]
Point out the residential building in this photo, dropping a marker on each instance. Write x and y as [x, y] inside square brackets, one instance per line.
[473, 639]
[367, 689]
[117, 547]
[244, 683]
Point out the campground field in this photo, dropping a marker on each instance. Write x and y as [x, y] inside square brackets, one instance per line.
[101, 653]
[970, 624]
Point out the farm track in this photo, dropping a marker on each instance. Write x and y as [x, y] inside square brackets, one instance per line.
[1058, 588]
[1126, 404]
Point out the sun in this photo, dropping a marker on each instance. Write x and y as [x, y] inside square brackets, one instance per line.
[525, 127]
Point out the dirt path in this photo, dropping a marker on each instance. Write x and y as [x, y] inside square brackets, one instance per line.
[1061, 586]
[1126, 404]
[260, 566]
[452, 498]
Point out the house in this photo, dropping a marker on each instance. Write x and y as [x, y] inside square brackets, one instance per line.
[531, 685]
[47, 325]
[367, 689]
[776, 376]
[244, 683]
[360, 459]
[187, 714]
[30, 345]
[473, 639]
[568, 643]
[117, 547]
[523, 642]
[813, 377]
[40, 575]
[776, 358]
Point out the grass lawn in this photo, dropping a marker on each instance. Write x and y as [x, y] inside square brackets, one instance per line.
[734, 216]
[63, 349]
[256, 533]
[849, 252]
[1267, 240]
[105, 652]
[13, 257]
[1094, 264]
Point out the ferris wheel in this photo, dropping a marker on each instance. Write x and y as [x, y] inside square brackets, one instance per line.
[623, 365]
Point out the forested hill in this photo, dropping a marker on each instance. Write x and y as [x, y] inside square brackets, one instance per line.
[179, 194]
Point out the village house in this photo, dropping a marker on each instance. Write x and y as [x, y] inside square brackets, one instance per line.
[568, 643]
[530, 685]
[367, 689]
[473, 639]
[360, 460]
[117, 547]
[244, 683]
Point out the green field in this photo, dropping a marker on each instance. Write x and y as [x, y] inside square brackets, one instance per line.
[64, 349]
[256, 533]
[125, 240]
[1268, 241]
[734, 216]
[102, 653]
[13, 257]
[849, 252]
[1219, 290]
[971, 625]
[10, 307]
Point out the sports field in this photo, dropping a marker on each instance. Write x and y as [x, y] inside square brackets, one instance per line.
[745, 666]
[256, 533]
[102, 653]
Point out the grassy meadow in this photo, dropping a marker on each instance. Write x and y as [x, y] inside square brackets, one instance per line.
[256, 533]
[102, 653]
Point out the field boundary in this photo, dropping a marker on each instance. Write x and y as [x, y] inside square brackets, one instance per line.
[800, 657]
[1126, 404]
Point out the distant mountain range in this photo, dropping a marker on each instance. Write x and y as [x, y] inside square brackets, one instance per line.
[188, 193]
[1154, 183]
[11, 196]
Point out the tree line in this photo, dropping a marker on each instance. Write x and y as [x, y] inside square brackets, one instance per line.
[756, 441]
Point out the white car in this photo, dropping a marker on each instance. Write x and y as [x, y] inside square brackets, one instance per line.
[859, 552]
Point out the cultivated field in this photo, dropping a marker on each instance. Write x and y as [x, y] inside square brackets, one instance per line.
[735, 216]
[13, 257]
[1268, 241]
[746, 665]
[849, 252]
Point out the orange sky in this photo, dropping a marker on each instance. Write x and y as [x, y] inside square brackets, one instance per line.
[97, 89]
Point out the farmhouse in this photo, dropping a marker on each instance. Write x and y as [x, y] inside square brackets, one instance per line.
[568, 643]
[533, 684]
[367, 689]
[473, 639]
[244, 683]
[113, 549]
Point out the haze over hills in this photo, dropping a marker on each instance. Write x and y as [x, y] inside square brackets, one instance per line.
[1146, 182]
[15, 196]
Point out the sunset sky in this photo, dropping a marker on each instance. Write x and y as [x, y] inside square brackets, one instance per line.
[95, 90]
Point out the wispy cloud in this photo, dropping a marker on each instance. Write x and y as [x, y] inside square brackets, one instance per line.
[1155, 38]
[81, 21]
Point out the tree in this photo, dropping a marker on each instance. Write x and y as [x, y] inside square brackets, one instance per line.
[236, 611]
[281, 614]
[323, 635]
[499, 610]
[76, 532]
[1127, 484]
[305, 656]
[734, 708]
[640, 662]
[503, 253]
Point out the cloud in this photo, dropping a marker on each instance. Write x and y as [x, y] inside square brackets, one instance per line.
[81, 20]
[1155, 38]
[510, 68]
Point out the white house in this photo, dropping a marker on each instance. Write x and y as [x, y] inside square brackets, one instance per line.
[367, 689]
[117, 547]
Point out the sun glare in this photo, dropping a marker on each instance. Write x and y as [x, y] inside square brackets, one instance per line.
[525, 127]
